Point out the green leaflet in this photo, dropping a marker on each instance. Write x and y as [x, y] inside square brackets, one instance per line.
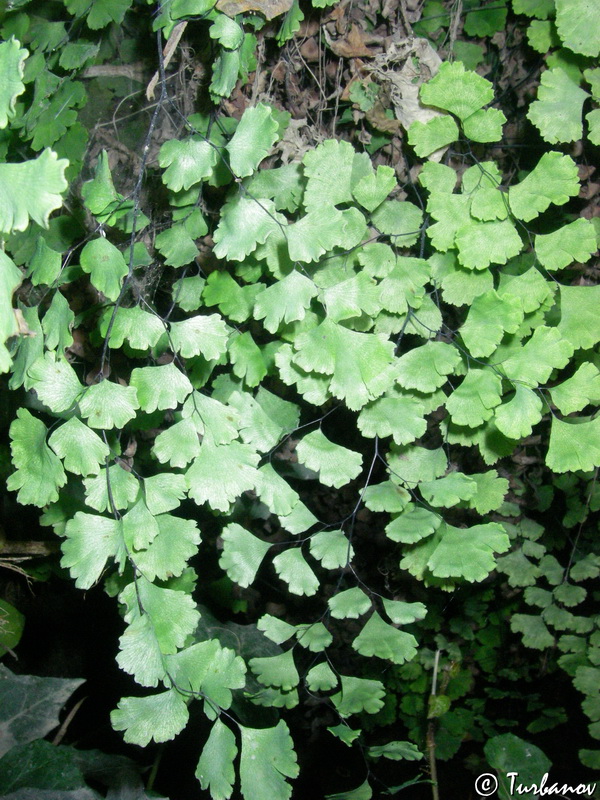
[267, 759]
[39, 473]
[242, 554]
[215, 769]
[557, 111]
[11, 78]
[292, 568]
[157, 718]
[253, 138]
[47, 174]
[377, 638]
[336, 465]
[91, 541]
[186, 162]
[356, 362]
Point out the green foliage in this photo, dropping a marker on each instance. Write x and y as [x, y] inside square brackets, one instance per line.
[350, 348]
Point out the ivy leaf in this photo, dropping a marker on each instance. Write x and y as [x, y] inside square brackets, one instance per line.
[215, 769]
[55, 382]
[579, 318]
[403, 613]
[473, 402]
[332, 549]
[82, 450]
[413, 524]
[516, 418]
[377, 638]
[448, 491]
[574, 446]
[187, 162]
[247, 359]
[357, 362]
[350, 604]
[455, 90]
[335, 464]
[480, 244]
[90, 541]
[427, 367]
[534, 361]
[489, 317]
[169, 551]
[428, 137]
[105, 265]
[573, 242]
[293, 569]
[178, 445]
[321, 678]
[268, 758]
[491, 491]
[285, 301]
[358, 694]
[12, 59]
[244, 224]
[557, 110]
[578, 391]
[39, 473]
[158, 717]
[332, 169]
[576, 24]
[278, 671]
[242, 554]
[256, 133]
[31, 189]
[553, 180]
[372, 189]
[160, 387]
[314, 636]
[399, 417]
[200, 335]
[221, 473]
[124, 488]
[277, 630]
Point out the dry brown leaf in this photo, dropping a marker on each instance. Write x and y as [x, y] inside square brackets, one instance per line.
[352, 45]
[268, 8]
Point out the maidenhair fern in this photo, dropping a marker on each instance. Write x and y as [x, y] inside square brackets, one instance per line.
[437, 329]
